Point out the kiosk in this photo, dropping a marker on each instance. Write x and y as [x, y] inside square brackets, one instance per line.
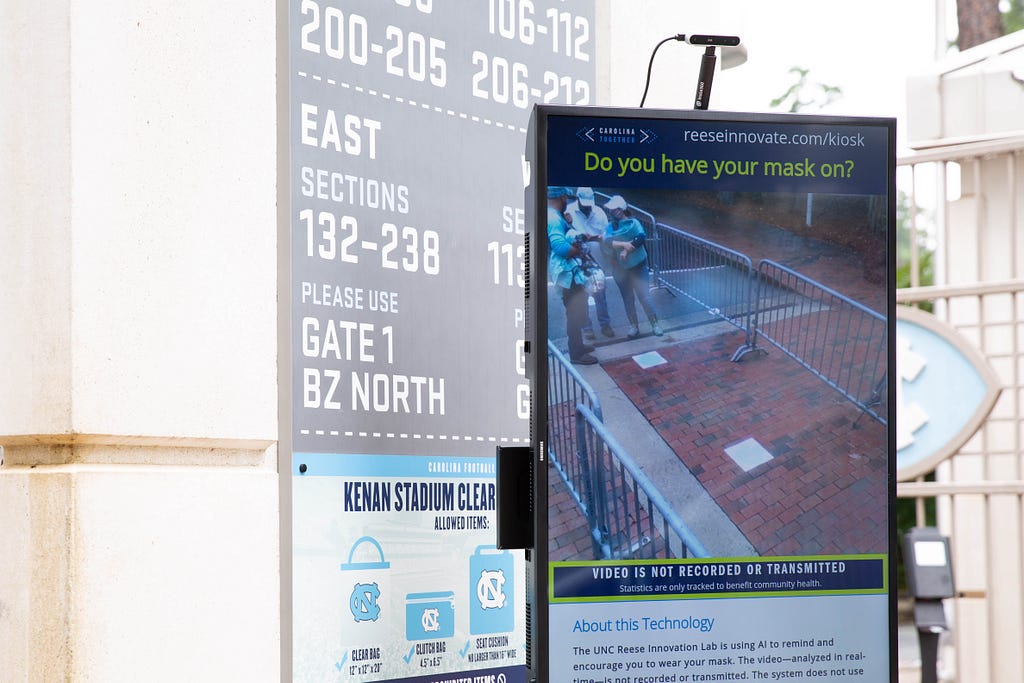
[712, 455]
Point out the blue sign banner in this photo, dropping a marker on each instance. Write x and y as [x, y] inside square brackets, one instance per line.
[502, 674]
[644, 581]
[718, 155]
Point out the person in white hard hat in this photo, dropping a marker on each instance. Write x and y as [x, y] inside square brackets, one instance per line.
[623, 244]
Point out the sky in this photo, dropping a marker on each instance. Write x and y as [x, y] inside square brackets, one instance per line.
[868, 48]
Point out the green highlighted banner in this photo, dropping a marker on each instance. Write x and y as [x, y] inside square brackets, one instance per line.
[780, 576]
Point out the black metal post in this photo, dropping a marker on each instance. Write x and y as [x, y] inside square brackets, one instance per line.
[928, 641]
[707, 75]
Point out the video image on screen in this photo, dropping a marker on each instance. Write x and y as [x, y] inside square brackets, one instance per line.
[716, 374]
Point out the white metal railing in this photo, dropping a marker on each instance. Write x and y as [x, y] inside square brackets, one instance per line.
[962, 206]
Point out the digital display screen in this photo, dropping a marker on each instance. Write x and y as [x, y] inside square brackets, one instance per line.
[712, 296]
[930, 554]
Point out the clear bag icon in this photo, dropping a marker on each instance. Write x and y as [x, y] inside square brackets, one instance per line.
[367, 577]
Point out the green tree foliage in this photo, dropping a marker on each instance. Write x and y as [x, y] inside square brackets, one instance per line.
[906, 510]
[925, 255]
[803, 95]
[1013, 15]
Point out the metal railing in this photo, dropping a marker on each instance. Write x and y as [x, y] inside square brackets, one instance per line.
[627, 516]
[837, 339]
[567, 390]
[631, 518]
[981, 505]
[717, 278]
[966, 264]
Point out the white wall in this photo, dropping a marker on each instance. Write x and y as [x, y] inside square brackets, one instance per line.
[138, 388]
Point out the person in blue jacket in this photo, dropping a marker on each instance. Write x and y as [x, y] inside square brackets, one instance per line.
[586, 218]
[565, 271]
[623, 245]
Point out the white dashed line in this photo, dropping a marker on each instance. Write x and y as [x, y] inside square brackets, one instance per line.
[406, 436]
[413, 103]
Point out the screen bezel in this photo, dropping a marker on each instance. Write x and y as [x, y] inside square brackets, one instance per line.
[539, 646]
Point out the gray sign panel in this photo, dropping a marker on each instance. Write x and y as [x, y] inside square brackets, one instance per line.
[407, 126]
[408, 121]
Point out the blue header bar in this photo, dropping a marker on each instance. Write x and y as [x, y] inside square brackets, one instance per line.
[779, 154]
[364, 465]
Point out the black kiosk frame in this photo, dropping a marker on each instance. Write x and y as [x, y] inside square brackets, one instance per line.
[758, 550]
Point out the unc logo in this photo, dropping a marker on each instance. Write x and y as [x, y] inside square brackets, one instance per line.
[363, 602]
[489, 589]
[430, 621]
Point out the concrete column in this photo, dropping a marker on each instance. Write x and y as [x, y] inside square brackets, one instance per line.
[138, 388]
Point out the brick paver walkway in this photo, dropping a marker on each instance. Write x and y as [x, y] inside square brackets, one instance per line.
[829, 264]
[569, 535]
[825, 489]
[823, 492]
